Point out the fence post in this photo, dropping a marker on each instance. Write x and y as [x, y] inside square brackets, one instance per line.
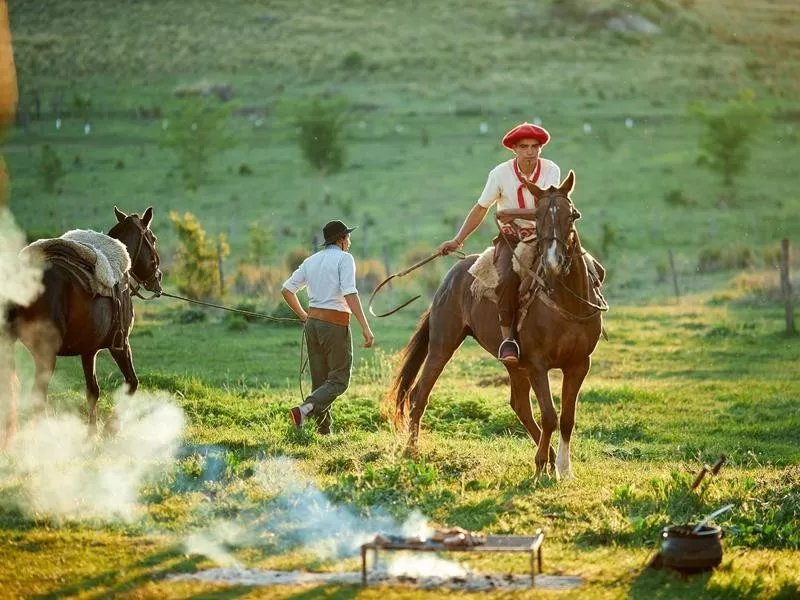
[674, 275]
[786, 287]
[387, 267]
[220, 268]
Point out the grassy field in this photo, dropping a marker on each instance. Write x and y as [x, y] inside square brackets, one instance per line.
[677, 384]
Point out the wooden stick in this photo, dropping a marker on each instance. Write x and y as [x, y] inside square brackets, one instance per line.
[786, 287]
[674, 275]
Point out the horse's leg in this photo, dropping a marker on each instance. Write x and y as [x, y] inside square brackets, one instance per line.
[521, 403]
[44, 359]
[124, 360]
[92, 389]
[573, 379]
[9, 390]
[541, 387]
[434, 364]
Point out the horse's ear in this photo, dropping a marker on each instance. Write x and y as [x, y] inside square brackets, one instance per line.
[121, 216]
[569, 182]
[147, 217]
[535, 190]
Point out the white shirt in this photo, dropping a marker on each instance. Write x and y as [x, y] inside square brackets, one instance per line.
[503, 183]
[330, 275]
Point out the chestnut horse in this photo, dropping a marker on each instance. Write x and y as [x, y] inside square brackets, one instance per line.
[66, 320]
[559, 331]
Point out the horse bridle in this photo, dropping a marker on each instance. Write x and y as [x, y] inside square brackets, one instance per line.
[564, 245]
[153, 279]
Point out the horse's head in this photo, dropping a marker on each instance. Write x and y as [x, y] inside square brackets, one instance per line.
[555, 225]
[134, 231]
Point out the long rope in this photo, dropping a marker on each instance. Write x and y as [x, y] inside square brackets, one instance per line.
[403, 273]
[235, 310]
[303, 358]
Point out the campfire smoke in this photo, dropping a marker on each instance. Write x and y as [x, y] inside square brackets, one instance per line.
[63, 473]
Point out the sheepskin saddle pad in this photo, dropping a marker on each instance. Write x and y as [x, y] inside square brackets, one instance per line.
[485, 272]
[98, 260]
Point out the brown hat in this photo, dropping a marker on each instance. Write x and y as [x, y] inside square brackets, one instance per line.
[335, 230]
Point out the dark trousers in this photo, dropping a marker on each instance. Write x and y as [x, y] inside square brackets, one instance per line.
[330, 358]
[508, 289]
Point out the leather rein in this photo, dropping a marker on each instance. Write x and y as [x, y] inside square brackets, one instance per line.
[542, 289]
[132, 275]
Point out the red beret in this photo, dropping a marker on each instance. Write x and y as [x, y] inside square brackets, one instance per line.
[525, 131]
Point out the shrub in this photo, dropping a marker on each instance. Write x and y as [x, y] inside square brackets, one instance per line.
[727, 133]
[257, 280]
[191, 315]
[295, 257]
[196, 267]
[82, 104]
[260, 244]
[50, 169]
[772, 256]
[353, 61]
[676, 197]
[321, 124]
[370, 273]
[608, 238]
[720, 259]
[196, 133]
[245, 169]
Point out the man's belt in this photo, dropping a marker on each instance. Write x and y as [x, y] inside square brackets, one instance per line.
[337, 317]
[513, 233]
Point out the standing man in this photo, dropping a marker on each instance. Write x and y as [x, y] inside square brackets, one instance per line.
[507, 188]
[330, 275]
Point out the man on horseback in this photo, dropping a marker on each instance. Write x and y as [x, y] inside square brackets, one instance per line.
[330, 276]
[507, 187]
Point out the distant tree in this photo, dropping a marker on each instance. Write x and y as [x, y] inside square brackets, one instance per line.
[197, 259]
[321, 126]
[196, 133]
[50, 169]
[82, 105]
[260, 244]
[727, 134]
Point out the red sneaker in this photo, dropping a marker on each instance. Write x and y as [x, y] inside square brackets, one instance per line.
[509, 352]
[296, 417]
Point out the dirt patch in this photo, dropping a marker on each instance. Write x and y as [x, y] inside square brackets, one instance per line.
[473, 582]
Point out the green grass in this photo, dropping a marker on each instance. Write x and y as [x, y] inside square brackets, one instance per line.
[675, 387]
[677, 384]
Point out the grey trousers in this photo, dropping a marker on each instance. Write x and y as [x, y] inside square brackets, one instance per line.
[330, 358]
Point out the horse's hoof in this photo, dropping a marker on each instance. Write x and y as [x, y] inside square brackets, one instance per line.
[411, 451]
[566, 475]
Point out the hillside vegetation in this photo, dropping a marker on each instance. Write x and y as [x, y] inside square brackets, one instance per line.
[431, 86]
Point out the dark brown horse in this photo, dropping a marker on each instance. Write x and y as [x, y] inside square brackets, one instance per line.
[560, 331]
[67, 320]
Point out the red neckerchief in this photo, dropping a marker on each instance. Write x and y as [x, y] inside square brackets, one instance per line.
[523, 181]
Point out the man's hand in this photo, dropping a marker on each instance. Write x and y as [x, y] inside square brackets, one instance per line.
[449, 246]
[369, 338]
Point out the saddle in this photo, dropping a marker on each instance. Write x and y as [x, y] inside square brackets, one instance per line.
[97, 262]
[487, 277]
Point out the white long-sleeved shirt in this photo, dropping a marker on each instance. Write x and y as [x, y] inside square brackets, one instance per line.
[330, 275]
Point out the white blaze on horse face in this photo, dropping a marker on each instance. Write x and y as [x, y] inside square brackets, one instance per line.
[551, 256]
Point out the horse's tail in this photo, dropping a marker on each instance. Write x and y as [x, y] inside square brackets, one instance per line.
[397, 399]
[9, 383]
